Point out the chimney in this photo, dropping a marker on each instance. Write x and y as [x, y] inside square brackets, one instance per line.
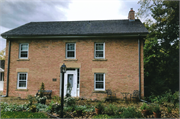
[131, 15]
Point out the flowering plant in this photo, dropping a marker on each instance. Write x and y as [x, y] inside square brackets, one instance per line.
[69, 101]
[41, 100]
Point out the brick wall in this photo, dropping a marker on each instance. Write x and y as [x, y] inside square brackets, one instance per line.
[46, 57]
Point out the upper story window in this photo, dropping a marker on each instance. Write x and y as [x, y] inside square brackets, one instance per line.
[22, 81]
[99, 81]
[70, 50]
[23, 50]
[99, 51]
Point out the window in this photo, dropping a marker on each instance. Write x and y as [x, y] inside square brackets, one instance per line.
[99, 81]
[70, 50]
[99, 51]
[23, 50]
[22, 81]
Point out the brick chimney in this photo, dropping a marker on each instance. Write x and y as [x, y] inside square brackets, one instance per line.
[131, 15]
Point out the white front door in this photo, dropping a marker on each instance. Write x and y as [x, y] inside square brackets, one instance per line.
[1, 81]
[70, 78]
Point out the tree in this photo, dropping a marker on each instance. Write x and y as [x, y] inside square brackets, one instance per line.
[2, 54]
[161, 50]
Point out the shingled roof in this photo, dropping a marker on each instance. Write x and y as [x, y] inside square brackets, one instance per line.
[78, 28]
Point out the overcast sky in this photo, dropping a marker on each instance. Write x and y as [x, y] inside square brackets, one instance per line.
[14, 13]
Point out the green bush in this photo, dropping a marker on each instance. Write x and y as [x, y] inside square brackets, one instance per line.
[144, 107]
[22, 115]
[89, 109]
[13, 107]
[130, 112]
[41, 107]
[69, 101]
[80, 108]
[99, 106]
[156, 109]
[111, 110]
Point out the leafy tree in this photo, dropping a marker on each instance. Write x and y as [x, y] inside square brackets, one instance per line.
[161, 50]
[2, 54]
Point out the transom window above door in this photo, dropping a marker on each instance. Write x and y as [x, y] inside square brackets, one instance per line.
[99, 51]
[70, 50]
[23, 50]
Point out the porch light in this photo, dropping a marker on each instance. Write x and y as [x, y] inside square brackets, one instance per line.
[63, 68]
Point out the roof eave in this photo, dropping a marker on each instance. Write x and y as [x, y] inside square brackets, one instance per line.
[77, 36]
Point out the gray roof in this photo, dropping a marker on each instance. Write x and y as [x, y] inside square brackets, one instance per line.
[78, 28]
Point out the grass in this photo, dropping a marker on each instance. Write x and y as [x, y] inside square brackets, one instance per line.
[22, 115]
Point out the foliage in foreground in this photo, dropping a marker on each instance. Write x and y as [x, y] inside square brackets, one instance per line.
[22, 115]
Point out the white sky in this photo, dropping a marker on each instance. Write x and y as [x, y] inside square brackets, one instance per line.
[14, 13]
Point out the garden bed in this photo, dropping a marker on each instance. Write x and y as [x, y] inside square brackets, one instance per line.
[119, 103]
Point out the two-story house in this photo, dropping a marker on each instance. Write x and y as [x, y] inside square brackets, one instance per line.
[99, 55]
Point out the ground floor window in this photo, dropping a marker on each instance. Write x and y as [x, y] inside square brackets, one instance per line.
[99, 81]
[22, 81]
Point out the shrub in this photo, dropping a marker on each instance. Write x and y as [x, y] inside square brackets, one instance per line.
[69, 109]
[130, 112]
[144, 107]
[156, 109]
[32, 108]
[80, 108]
[169, 109]
[89, 109]
[31, 99]
[22, 115]
[111, 110]
[42, 90]
[41, 107]
[69, 101]
[100, 106]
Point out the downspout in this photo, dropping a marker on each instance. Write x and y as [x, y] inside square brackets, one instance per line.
[9, 51]
[139, 52]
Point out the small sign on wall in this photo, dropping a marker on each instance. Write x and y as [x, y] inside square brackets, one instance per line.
[54, 79]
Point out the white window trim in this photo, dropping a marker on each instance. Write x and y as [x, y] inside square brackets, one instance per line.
[72, 50]
[103, 51]
[20, 51]
[18, 80]
[95, 82]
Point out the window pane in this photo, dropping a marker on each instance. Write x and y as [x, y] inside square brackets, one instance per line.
[23, 53]
[99, 46]
[99, 85]
[70, 47]
[24, 47]
[99, 53]
[22, 83]
[70, 80]
[99, 77]
[22, 76]
[70, 54]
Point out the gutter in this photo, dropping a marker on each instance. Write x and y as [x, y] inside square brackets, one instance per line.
[7, 88]
[77, 36]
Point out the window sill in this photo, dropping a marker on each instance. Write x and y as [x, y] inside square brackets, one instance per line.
[99, 60]
[70, 59]
[99, 91]
[23, 59]
[21, 89]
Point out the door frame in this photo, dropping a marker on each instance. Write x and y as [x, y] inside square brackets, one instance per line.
[77, 89]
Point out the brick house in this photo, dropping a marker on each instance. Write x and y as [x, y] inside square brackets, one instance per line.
[99, 55]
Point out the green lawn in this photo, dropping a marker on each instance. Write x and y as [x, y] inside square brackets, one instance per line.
[22, 115]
